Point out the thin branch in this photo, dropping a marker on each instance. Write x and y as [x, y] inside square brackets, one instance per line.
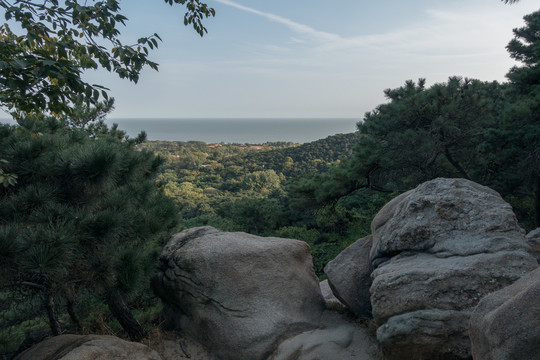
[31, 284]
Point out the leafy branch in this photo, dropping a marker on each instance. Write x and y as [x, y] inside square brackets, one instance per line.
[41, 67]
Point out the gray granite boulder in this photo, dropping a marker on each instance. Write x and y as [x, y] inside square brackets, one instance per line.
[349, 277]
[236, 293]
[437, 250]
[88, 347]
[506, 324]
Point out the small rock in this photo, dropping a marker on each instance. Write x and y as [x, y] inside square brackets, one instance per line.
[349, 277]
[331, 300]
[338, 338]
[533, 239]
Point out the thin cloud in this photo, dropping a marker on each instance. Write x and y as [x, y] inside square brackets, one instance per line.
[293, 25]
[441, 33]
[326, 41]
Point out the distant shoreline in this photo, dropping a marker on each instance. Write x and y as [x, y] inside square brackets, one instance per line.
[233, 130]
[252, 131]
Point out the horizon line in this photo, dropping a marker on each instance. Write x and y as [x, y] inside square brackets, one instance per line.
[237, 118]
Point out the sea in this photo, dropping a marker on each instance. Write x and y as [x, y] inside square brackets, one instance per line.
[251, 131]
[239, 131]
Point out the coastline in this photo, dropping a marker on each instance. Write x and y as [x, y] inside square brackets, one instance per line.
[252, 131]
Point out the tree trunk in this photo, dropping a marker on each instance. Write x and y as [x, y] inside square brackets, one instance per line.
[124, 316]
[537, 202]
[53, 315]
[455, 164]
[73, 314]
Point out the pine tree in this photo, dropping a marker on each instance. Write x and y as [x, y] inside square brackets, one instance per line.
[85, 214]
[522, 116]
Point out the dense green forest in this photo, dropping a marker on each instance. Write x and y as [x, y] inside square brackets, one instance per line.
[202, 177]
[253, 188]
[85, 209]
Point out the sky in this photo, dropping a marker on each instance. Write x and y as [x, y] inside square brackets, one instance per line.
[307, 58]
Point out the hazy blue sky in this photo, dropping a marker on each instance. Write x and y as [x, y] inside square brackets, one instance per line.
[308, 58]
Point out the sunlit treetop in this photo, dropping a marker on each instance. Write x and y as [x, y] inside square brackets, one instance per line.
[46, 45]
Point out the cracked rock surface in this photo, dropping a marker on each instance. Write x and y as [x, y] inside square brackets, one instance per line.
[236, 293]
[437, 250]
[506, 324]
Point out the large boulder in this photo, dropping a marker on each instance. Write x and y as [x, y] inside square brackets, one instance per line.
[349, 277]
[506, 324]
[437, 250]
[237, 293]
[88, 347]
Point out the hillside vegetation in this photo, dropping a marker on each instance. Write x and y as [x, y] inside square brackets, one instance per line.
[251, 188]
